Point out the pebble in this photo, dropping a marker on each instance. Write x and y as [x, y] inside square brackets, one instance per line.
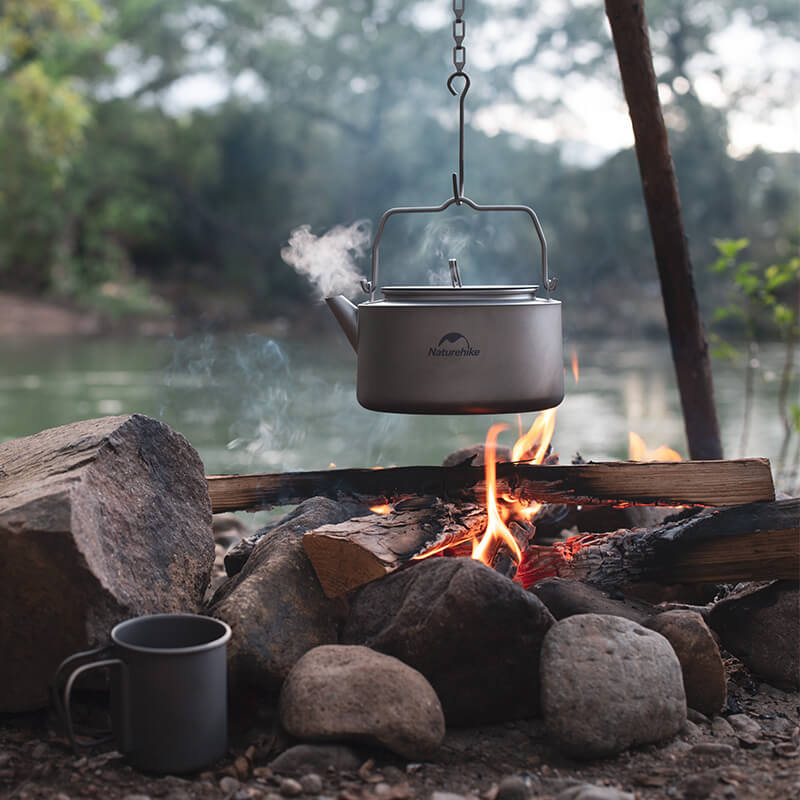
[721, 728]
[699, 786]
[698, 717]
[262, 772]
[315, 758]
[311, 783]
[290, 787]
[4, 759]
[447, 796]
[242, 767]
[40, 751]
[690, 730]
[136, 797]
[229, 784]
[741, 723]
[513, 788]
[713, 749]
[588, 791]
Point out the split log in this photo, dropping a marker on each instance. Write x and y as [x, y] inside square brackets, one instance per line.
[704, 483]
[755, 542]
[352, 553]
[759, 541]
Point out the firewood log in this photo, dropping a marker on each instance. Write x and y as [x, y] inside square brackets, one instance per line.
[704, 483]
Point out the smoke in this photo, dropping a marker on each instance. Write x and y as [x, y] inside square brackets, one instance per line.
[329, 261]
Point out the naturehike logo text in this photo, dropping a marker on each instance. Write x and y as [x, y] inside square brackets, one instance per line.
[461, 347]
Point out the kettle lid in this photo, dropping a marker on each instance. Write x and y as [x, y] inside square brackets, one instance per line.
[464, 294]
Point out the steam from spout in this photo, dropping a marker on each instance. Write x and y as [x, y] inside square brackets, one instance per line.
[329, 261]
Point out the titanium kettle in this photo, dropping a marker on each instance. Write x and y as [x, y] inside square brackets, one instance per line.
[456, 349]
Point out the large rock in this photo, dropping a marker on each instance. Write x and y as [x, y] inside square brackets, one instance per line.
[607, 684]
[760, 625]
[565, 598]
[353, 693]
[275, 605]
[704, 678]
[472, 633]
[99, 521]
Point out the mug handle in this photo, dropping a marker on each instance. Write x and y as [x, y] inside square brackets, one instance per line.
[63, 707]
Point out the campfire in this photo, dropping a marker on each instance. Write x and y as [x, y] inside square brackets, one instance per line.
[529, 517]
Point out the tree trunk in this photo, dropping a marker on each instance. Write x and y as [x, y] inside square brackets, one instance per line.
[660, 186]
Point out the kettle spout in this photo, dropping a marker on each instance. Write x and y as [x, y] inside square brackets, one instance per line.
[347, 316]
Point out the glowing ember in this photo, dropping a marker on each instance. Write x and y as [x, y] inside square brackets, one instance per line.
[483, 550]
[637, 451]
[384, 508]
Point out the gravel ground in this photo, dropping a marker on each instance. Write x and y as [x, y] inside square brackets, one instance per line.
[502, 762]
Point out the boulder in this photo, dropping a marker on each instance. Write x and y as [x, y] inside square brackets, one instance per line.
[704, 678]
[565, 598]
[607, 684]
[100, 520]
[275, 605]
[760, 625]
[474, 634]
[353, 693]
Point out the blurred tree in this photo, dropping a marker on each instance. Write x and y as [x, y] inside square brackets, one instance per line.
[310, 112]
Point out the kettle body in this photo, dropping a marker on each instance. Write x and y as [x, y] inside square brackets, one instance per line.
[470, 350]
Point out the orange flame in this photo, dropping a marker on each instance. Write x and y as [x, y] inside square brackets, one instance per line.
[532, 447]
[637, 451]
[383, 508]
[483, 550]
[575, 371]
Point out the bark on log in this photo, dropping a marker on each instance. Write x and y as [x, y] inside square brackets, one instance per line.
[705, 483]
[756, 542]
[660, 187]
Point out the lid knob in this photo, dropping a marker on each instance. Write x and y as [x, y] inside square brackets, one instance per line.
[455, 277]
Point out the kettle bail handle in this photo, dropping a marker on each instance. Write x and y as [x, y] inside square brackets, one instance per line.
[548, 284]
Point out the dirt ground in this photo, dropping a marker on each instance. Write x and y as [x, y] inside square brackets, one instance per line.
[702, 761]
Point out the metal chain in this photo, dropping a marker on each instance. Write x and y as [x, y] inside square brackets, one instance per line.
[459, 61]
[459, 30]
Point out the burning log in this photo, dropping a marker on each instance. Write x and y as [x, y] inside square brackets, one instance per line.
[355, 552]
[704, 483]
[755, 542]
[759, 541]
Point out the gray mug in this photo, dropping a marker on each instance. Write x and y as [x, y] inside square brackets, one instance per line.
[169, 703]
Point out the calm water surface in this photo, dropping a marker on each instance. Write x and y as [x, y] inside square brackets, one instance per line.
[249, 403]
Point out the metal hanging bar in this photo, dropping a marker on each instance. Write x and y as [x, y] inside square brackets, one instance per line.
[458, 198]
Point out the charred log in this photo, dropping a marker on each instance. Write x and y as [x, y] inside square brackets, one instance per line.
[760, 541]
[704, 483]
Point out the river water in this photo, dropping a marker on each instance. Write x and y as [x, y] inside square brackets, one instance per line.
[250, 403]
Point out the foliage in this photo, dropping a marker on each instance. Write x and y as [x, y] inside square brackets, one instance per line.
[333, 112]
[763, 295]
[764, 301]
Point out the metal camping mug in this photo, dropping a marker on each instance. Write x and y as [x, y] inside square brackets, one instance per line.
[169, 703]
